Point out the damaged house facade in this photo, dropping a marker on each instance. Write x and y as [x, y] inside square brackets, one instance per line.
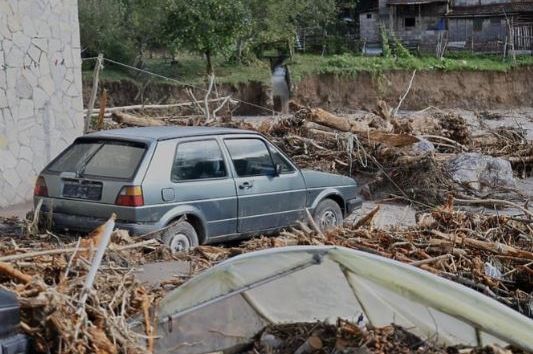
[487, 26]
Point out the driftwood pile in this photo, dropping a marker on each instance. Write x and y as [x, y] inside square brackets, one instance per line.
[491, 254]
[406, 157]
[402, 157]
[48, 274]
[349, 338]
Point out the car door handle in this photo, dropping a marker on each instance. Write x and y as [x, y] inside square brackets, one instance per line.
[246, 185]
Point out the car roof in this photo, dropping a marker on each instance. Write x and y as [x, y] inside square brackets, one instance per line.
[165, 132]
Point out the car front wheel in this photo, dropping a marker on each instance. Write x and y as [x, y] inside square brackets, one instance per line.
[180, 237]
[328, 215]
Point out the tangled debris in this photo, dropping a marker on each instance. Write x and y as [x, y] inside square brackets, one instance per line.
[349, 338]
[48, 276]
[388, 149]
[491, 254]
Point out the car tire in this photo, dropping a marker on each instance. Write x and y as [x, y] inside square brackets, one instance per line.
[327, 215]
[180, 237]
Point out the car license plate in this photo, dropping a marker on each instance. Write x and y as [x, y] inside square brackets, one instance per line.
[82, 190]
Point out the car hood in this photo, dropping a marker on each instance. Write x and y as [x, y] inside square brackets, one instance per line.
[323, 179]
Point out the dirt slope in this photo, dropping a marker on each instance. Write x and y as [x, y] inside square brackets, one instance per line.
[459, 89]
[466, 90]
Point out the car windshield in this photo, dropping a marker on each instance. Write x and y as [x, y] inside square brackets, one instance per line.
[100, 158]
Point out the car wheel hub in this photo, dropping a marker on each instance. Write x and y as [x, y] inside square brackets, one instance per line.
[328, 220]
[179, 242]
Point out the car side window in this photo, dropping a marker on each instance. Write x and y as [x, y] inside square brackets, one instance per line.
[279, 159]
[250, 157]
[196, 160]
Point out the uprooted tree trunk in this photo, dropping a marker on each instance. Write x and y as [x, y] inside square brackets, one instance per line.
[361, 129]
[128, 119]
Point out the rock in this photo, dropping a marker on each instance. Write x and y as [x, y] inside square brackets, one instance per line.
[478, 171]
[422, 147]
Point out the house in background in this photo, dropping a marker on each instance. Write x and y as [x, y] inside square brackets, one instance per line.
[40, 90]
[473, 25]
[491, 25]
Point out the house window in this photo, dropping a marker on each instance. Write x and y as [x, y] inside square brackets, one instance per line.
[369, 16]
[478, 24]
[409, 22]
[496, 20]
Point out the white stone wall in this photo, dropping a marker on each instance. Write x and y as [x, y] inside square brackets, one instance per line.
[40, 89]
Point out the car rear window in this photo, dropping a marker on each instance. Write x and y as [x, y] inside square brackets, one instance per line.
[111, 159]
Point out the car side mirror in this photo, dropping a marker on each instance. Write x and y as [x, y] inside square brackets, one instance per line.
[277, 169]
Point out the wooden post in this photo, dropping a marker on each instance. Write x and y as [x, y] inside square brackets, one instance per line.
[94, 91]
[103, 104]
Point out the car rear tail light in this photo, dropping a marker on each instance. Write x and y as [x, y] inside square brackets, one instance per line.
[40, 190]
[130, 196]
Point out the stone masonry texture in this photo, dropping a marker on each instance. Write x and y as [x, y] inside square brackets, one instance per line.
[40, 90]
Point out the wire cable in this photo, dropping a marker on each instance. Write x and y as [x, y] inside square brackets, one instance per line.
[270, 110]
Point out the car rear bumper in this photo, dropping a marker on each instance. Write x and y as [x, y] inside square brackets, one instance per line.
[353, 204]
[67, 222]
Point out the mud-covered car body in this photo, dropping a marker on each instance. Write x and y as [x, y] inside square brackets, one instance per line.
[227, 182]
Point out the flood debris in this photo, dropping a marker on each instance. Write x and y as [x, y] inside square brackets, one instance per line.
[419, 158]
[48, 274]
[491, 254]
[392, 149]
[345, 337]
[281, 289]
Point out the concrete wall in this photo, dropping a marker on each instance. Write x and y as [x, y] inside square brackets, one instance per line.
[369, 26]
[40, 89]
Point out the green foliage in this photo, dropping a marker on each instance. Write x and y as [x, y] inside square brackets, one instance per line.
[206, 27]
[401, 51]
[143, 23]
[237, 29]
[387, 53]
[121, 29]
[102, 30]
[273, 24]
[191, 68]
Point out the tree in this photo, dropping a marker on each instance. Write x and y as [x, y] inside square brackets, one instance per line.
[102, 30]
[277, 21]
[209, 27]
[143, 23]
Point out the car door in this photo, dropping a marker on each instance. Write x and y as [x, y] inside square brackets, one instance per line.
[197, 179]
[266, 200]
[201, 178]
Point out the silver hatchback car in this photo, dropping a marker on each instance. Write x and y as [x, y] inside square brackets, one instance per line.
[219, 183]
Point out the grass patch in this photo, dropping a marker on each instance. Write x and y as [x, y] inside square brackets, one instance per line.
[190, 69]
[348, 65]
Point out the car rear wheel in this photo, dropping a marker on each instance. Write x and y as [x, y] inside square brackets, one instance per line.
[180, 237]
[328, 215]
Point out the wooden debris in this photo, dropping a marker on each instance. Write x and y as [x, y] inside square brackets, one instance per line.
[8, 270]
[129, 119]
[348, 337]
